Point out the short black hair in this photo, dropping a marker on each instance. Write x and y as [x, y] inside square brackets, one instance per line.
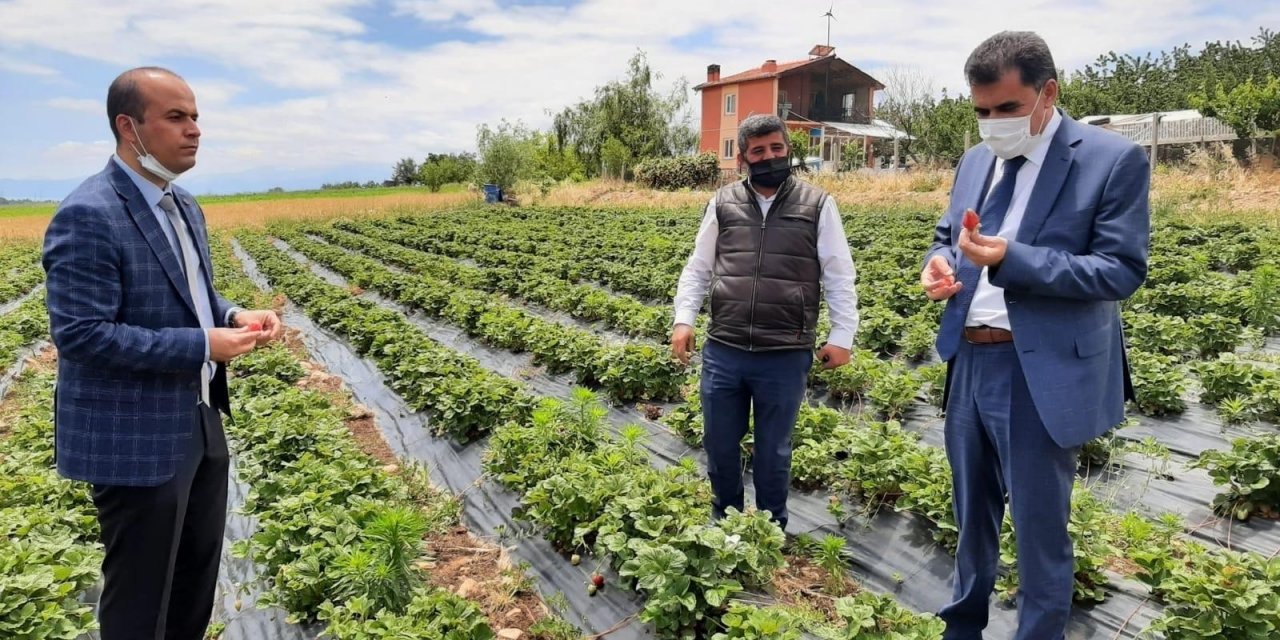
[761, 124]
[1008, 50]
[124, 97]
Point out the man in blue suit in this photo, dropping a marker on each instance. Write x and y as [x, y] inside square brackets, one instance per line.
[142, 338]
[1031, 332]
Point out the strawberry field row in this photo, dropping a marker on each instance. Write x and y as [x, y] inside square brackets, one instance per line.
[626, 372]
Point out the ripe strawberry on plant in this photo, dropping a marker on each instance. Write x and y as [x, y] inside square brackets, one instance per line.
[597, 580]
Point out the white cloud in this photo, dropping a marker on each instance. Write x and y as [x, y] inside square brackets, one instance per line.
[26, 68]
[81, 105]
[443, 10]
[68, 159]
[302, 84]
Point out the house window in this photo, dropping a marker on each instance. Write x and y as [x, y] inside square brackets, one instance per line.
[728, 148]
[731, 104]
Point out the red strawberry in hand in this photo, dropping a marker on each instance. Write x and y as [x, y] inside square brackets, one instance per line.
[254, 327]
[970, 220]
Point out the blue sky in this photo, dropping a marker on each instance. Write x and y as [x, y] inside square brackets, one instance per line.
[294, 93]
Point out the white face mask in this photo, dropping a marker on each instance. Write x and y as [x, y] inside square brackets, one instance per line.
[149, 161]
[1010, 137]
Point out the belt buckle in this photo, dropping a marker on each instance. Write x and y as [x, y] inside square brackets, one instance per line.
[981, 335]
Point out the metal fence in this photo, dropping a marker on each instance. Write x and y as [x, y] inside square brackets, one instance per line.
[1173, 131]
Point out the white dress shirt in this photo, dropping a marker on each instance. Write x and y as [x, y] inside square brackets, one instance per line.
[204, 306]
[833, 256]
[988, 306]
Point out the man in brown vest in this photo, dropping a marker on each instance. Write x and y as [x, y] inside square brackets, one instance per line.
[769, 247]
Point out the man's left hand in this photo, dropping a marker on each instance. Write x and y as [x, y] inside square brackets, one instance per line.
[269, 325]
[981, 250]
[833, 356]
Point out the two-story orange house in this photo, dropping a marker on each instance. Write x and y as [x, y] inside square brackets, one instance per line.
[823, 94]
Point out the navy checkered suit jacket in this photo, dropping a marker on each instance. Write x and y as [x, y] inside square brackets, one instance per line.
[129, 343]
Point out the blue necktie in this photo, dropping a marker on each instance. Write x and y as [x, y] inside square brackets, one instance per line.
[991, 215]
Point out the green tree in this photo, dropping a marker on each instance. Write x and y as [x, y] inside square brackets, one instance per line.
[853, 156]
[405, 173]
[441, 169]
[941, 131]
[616, 156]
[505, 154]
[554, 162]
[1121, 83]
[1249, 108]
[632, 111]
[801, 144]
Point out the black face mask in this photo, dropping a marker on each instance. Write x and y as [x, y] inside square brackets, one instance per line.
[770, 173]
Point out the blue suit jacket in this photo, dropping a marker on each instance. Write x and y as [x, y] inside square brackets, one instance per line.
[129, 343]
[1081, 249]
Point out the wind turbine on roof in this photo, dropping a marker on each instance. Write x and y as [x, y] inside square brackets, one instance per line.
[829, 16]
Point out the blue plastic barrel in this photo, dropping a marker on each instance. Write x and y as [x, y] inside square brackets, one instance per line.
[492, 193]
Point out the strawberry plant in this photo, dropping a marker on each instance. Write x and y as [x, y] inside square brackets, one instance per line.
[1251, 473]
[1158, 383]
[1180, 267]
[699, 568]
[466, 400]
[1212, 594]
[1155, 333]
[1265, 400]
[1228, 376]
[49, 551]
[20, 270]
[430, 613]
[640, 372]
[892, 392]
[21, 327]
[879, 330]
[686, 420]
[339, 540]
[919, 336]
[1214, 334]
[522, 455]
[868, 616]
[744, 622]
[853, 380]
[934, 377]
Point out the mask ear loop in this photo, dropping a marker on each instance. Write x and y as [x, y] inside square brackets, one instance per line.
[137, 135]
[1043, 125]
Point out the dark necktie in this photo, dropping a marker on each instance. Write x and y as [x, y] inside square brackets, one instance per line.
[991, 216]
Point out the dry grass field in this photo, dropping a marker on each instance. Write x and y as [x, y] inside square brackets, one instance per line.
[1199, 195]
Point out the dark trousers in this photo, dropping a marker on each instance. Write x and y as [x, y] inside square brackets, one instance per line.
[163, 545]
[734, 384]
[997, 445]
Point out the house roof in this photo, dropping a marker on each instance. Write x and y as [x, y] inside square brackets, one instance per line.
[877, 129]
[783, 68]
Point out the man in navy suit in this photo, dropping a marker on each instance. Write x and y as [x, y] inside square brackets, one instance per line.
[142, 342]
[1031, 332]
